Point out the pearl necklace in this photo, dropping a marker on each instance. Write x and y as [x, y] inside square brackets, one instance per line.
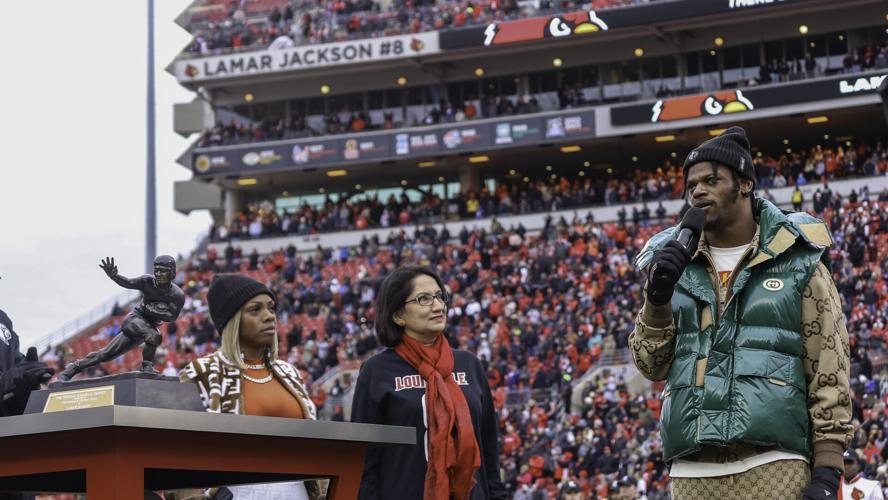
[264, 380]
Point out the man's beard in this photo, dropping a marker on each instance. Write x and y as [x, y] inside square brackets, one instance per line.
[714, 224]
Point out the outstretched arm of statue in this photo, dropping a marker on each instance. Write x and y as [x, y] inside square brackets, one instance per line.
[110, 269]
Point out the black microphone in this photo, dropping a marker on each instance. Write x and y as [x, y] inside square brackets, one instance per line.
[690, 228]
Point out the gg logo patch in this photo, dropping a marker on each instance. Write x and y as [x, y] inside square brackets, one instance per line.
[773, 285]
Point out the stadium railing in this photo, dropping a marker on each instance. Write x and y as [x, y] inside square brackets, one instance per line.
[87, 321]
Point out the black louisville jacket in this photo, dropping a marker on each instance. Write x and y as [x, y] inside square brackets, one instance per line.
[389, 391]
[9, 357]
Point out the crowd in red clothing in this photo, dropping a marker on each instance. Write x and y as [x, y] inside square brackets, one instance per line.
[577, 291]
[226, 26]
[820, 163]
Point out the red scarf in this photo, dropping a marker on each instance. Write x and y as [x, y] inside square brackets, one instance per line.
[453, 454]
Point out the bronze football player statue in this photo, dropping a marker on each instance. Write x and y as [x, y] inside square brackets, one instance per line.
[162, 300]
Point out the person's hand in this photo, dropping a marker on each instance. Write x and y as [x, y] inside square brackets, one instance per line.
[824, 484]
[666, 268]
[108, 266]
[25, 377]
[35, 372]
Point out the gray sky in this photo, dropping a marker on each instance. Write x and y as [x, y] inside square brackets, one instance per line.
[72, 133]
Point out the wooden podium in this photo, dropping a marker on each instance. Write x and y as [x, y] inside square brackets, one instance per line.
[117, 452]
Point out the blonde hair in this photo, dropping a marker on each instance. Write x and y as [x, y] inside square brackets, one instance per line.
[231, 343]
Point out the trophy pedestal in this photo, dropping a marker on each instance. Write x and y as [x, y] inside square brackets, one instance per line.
[125, 389]
[117, 452]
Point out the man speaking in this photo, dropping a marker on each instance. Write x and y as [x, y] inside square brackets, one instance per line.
[746, 328]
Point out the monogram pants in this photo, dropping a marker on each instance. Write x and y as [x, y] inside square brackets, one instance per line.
[780, 480]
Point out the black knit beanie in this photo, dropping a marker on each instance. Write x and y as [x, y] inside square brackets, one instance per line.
[228, 292]
[730, 148]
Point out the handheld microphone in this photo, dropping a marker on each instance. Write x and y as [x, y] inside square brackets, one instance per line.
[690, 228]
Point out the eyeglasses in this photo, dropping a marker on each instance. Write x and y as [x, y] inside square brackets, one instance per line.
[426, 299]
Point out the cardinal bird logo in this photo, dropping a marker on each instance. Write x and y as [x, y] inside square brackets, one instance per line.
[416, 45]
[191, 70]
[562, 25]
[696, 106]
[575, 23]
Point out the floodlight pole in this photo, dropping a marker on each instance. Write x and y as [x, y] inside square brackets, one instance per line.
[150, 181]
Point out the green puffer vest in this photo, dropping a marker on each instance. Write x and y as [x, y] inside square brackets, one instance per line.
[739, 377]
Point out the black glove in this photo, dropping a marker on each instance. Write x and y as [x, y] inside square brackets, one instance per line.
[824, 484]
[665, 269]
[23, 378]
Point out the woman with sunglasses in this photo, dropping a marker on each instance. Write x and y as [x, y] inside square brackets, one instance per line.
[420, 381]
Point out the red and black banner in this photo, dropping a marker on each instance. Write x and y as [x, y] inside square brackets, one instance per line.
[741, 100]
[584, 23]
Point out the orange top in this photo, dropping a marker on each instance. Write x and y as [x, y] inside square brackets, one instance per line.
[271, 399]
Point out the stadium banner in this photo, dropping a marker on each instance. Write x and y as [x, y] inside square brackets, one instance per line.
[418, 142]
[369, 148]
[518, 131]
[748, 99]
[570, 125]
[465, 137]
[584, 23]
[310, 153]
[449, 138]
[306, 57]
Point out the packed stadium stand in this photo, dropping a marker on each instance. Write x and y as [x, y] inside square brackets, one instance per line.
[525, 150]
[579, 291]
[823, 162]
[248, 124]
[221, 26]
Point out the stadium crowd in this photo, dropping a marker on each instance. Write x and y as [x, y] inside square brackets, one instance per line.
[240, 132]
[817, 164]
[230, 26]
[863, 58]
[578, 291]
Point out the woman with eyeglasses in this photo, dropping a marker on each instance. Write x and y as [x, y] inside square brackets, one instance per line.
[420, 381]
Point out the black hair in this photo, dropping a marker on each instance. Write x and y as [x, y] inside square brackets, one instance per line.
[393, 293]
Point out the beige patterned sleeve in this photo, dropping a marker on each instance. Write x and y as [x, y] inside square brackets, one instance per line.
[827, 369]
[652, 342]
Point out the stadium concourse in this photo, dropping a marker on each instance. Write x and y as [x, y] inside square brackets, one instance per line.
[572, 411]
